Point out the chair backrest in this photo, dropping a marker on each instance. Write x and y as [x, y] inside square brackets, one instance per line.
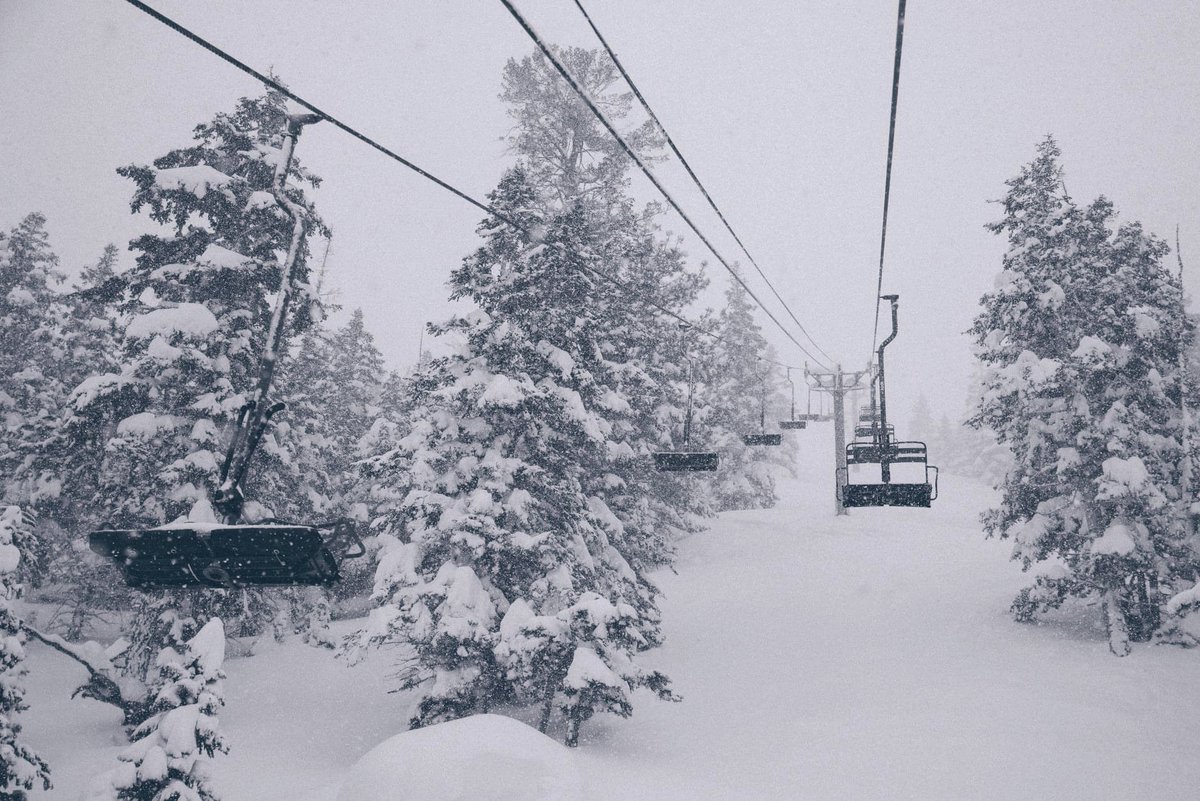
[870, 430]
[897, 452]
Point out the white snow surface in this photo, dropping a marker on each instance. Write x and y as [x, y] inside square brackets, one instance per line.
[145, 424]
[208, 646]
[587, 668]
[1091, 347]
[199, 180]
[224, 258]
[864, 657]
[1117, 540]
[480, 758]
[189, 319]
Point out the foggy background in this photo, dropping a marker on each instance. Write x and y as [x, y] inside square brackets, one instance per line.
[781, 107]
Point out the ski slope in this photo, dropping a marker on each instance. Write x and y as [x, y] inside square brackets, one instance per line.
[863, 657]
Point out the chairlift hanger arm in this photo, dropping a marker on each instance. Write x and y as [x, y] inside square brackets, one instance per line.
[256, 415]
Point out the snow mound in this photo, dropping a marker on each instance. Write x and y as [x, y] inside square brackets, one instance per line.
[479, 758]
[198, 180]
[1117, 540]
[189, 319]
[1091, 348]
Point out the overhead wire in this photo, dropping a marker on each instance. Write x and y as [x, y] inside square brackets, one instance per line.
[641, 164]
[487, 208]
[887, 181]
[481, 205]
[692, 173]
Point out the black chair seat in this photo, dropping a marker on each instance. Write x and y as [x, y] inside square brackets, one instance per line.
[763, 439]
[220, 556]
[872, 430]
[686, 462]
[792, 425]
[858, 495]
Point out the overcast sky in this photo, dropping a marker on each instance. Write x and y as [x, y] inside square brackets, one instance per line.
[781, 107]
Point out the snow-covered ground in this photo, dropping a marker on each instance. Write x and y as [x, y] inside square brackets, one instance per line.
[865, 657]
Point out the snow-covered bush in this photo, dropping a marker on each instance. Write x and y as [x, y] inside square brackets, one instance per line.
[168, 758]
[1181, 619]
[21, 769]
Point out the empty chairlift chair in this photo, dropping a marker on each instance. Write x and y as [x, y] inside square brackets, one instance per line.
[798, 421]
[917, 484]
[762, 437]
[870, 431]
[687, 460]
[233, 553]
[889, 491]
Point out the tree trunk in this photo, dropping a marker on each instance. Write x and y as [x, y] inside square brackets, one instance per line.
[547, 708]
[1114, 624]
[1140, 611]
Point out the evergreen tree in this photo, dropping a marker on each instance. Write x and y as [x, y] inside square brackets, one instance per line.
[168, 758]
[197, 305]
[497, 547]
[591, 172]
[1080, 343]
[569, 158]
[194, 312]
[20, 767]
[741, 380]
[33, 359]
[335, 380]
[88, 588]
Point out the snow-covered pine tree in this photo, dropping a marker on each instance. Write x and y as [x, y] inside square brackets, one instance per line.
[337, 378]
[1080, 344]
[87, 588]
[21, 769]
[496, 547]
[590, 169]
[198, 302]
[333, 383]
[195, 310]
[34, 368]
[737, 375]
[651, 508]
[168, 758]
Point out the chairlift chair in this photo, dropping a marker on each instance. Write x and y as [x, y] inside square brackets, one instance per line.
[889, 492]
[872, 431]
[762, 438]
[198, 555]
[822, 416]
[687, 460]
[884, 451]
[797, 421]
[234, 553]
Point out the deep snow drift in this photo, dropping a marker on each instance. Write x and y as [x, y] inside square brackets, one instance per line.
[480, 757]
[864, 657]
